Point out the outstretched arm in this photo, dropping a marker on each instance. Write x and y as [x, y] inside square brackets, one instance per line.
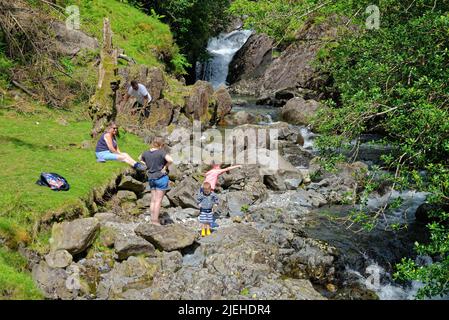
[230, 168]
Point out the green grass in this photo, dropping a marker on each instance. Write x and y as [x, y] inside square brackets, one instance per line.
[33, 138]
[15, 283]
[141, 36]
[37, 143]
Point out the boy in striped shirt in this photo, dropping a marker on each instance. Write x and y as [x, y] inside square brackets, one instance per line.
[208, 202]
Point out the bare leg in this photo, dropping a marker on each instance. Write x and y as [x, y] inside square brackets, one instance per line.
[153, 201]
[158, 195]
[124, 157]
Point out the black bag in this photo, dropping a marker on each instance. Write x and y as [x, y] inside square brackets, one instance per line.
[54, 181]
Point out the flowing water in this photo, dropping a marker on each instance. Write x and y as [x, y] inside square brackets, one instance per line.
[368, 257]
[221, 50]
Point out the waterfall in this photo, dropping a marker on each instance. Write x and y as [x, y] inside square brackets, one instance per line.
[221, 49]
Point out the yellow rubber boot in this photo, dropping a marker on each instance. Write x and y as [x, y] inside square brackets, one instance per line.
[208, 232]
[203, 232]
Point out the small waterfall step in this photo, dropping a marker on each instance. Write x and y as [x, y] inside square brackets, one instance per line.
[221, 49]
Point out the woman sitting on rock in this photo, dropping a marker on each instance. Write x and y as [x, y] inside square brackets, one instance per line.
[157, 161]
[107, 149]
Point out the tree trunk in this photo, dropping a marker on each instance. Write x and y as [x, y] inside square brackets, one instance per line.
[102, 107]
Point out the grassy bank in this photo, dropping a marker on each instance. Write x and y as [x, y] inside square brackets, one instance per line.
[35, 143]
[35, 139]
[142, 37]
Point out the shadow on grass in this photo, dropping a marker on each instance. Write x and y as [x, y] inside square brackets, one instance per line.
[21, 143]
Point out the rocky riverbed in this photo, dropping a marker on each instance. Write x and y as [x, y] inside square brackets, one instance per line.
[273, 240]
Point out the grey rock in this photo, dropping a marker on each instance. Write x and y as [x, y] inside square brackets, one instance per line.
[70, 41]
[126, 196]
[238, 202]
[75, 236]
[287, 289]
[251, 58]
[132, 245]
[292, 184]
[197, 103]
[136, 273]
[131, 184]
[165, 202]
[299, 111]
[52, 282]
[171, 261]
[241, 118]
[222, 105]
[58, 259]
[105, 217]
[168, 237]
[184, 193]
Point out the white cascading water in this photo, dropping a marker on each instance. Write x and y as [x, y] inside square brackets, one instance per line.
[222, 49]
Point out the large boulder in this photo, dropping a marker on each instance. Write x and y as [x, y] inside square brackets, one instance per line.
[131, 184]
[161, 114]
[272, 167]
[299, 111]
[183, 194]
[276, 178]
[155, 83]
[222, 105]
[71, 41]
[230, 263]
[292, 70]
[295, 66]
[311, 259]
[52, 281]
[252, 59]
[168, 237]
[240, 118]
[340, 186]
[134, 273]
[197, 103]
[75, 236]
[127, 245]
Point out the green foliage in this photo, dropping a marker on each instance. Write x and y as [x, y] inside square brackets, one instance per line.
[282, 19]
[5, 63]
[5, 68]
[394, 81]
[245, 208]
[192, 22]
[244, 292]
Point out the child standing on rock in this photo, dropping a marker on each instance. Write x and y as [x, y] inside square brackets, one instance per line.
[208, 202]
[211, 177]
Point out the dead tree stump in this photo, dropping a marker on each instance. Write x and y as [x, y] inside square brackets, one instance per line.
[102, 108]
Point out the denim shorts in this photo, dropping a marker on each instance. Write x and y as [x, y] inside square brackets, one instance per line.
[107, 155]
[159, 184]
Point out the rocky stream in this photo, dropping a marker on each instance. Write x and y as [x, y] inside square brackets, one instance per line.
[282, 234]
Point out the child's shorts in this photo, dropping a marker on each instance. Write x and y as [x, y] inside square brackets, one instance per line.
[206, 216]
[159, 184]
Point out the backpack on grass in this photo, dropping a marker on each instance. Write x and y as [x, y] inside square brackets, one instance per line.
[54, 181]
